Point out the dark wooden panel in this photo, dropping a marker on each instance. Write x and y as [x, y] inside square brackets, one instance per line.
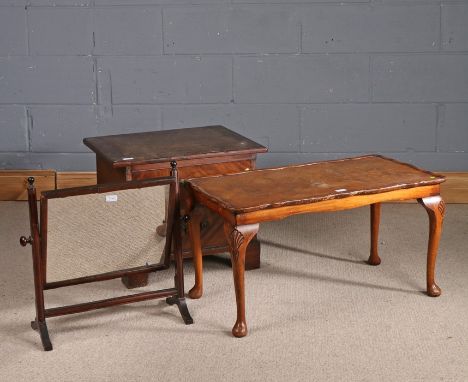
[211, 234]
[106, 173]
[163, 146]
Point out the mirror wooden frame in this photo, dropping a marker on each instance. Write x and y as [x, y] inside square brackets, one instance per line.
[38, 228]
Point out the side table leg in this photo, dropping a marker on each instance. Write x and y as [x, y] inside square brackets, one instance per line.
[135, 281]
[435, 208]
[194, 235]
[238, 238]
[374, 258]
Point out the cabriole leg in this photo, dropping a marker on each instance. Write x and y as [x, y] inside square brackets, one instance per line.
[435, 208]
[238, 238]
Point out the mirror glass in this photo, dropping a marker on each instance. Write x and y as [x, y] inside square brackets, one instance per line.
[99, 233]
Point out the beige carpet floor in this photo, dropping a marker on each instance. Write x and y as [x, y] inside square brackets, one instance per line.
[315, 310]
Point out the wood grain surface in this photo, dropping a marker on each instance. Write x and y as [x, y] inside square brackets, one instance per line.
[166, 145]
[313, 182]
[75, 179]
[13, 184]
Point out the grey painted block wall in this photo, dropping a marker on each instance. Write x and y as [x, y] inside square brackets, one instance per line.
[311, 79]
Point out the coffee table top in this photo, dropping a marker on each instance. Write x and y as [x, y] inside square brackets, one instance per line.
[312, 182]
[166, 145]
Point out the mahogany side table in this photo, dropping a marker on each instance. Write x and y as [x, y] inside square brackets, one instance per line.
[199, 151]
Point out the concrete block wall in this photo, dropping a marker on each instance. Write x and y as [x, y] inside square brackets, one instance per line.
[311, 79]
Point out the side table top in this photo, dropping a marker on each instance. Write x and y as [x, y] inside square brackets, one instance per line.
[312, 182]
[166, 145]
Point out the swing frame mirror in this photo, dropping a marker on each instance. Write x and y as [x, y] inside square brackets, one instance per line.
[38, 241]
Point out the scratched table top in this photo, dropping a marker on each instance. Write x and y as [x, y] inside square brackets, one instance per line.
[312, 182]
[166, 145]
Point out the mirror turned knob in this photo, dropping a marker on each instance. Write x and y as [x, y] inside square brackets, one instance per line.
[24, 240]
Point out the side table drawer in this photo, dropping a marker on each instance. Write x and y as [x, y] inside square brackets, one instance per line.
[148, 171]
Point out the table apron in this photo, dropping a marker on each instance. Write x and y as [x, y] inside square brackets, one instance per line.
[346, 203]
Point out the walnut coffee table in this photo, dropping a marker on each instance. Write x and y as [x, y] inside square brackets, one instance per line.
[246, 199]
